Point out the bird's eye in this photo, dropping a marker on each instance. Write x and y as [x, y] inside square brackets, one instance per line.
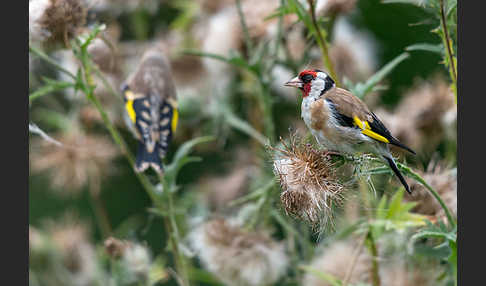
[307, 78]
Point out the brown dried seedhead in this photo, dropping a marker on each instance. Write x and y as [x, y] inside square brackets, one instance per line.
[82, 159]
[334, 7]
[115, 247]
[239, 257]
[344, 260]
[308, 180]
[63, 18]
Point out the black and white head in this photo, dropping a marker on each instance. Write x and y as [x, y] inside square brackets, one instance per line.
[313, 83]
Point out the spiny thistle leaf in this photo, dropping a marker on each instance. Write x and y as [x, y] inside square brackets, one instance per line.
[395, 215]
[439, 49]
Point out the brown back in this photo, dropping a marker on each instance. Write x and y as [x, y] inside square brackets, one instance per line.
[348, 104]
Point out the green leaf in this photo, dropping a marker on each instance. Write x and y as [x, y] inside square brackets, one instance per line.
[187, 147]
[158, 272]
[181, 158]
[395, 215]
[420, 3]
[381, 209]
[244, 127]
[361, 89]
[234, 59]
[85, 40]
[436, 231]
[439, 48]
[51, 86]
[452, 5]
[297, 8]
[322, 276]
[203, 276]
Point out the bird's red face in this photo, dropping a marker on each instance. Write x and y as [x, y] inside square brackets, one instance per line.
[311, 81]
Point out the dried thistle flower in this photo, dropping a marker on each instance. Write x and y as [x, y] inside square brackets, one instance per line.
[334, 7]
[116, 7]
[115, 247]
[103, 54]
[444, 181]
[70, 238]
[238, 257]
[135, 258]
[352, 51]
[425, 115]
[220, 190]
[223, 189]
[308, 180]
[398, 274]
[55, 21]
[81, 160]
[213, 6]
[37, 241]
[224, 32]
[337, 260]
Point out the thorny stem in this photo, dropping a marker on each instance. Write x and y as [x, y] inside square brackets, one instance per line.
[447, 43]
[322, 43]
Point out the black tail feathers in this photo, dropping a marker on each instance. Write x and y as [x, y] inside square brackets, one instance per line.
[147, 159]
[394, 167]
[401, 145]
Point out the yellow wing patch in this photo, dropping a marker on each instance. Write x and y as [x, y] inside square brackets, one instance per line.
[366, 130]
[175, 118]
[130, 110]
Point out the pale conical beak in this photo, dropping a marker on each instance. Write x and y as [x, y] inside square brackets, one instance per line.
[295, 82]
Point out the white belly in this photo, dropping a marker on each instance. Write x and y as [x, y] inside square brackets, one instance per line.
[348, 137]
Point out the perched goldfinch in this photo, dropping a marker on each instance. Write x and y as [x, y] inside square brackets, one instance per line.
[341, 121]
[151, 108]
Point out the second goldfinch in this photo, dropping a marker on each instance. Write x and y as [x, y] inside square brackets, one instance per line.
[341, 121]
[151, 108]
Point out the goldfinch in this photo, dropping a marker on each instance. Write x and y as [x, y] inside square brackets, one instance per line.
[341, 121]
[151, 109]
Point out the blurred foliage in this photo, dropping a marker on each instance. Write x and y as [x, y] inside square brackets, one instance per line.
[226, 127]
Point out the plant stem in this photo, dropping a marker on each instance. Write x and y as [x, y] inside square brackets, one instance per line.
[171, 225]
[266, 104]
[100, 212]
[106, 84]
[322, 43]
[374, 253]
[447, 43]
[244, 27]
[350, 270]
